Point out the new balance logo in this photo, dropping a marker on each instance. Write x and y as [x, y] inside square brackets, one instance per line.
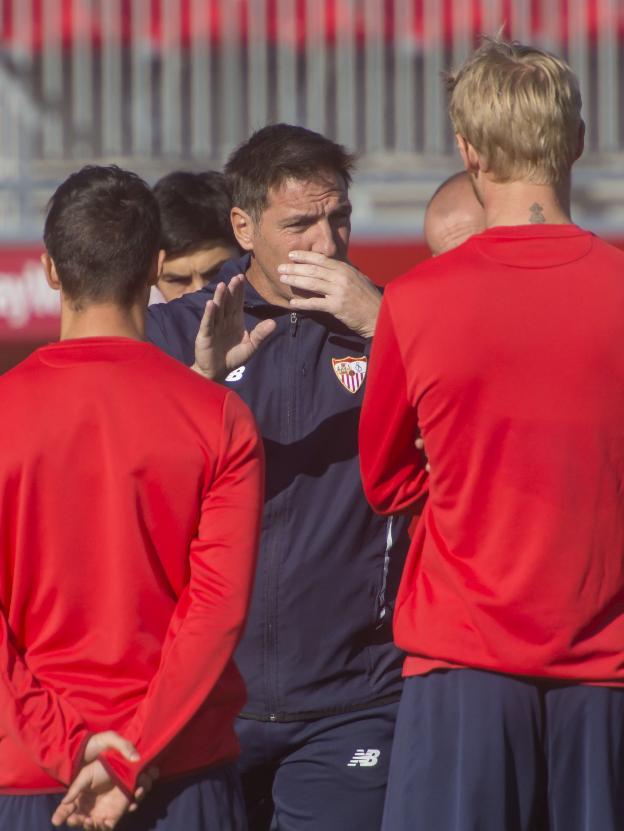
[364, 758]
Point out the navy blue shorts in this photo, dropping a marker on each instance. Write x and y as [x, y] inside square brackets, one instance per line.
[479, 750]
[205, 801]
[329, 774]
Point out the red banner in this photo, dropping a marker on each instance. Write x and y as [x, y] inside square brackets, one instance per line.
[77, 20]
[29, 309]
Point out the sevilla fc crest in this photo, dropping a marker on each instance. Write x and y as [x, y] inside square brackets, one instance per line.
[351, 372]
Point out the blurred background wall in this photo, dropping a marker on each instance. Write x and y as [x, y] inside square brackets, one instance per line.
[157, 85]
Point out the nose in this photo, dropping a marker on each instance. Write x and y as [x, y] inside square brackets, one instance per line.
[325, 242]
[197, 282]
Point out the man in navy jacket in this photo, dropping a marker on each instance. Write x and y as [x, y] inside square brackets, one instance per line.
[322, 674]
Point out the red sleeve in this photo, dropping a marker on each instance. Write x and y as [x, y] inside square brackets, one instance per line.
[46, 727]
[208, 619]
[393, 469]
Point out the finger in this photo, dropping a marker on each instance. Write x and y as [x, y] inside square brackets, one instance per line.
[207, 324]
[237, 295]
[236, 284]
[312, 257]
[63, 812]
[261, 332]
[419, 444]
[214, 306]
[312, 304]
[206, 321]
[323, 287]
[233, 301]
[80, 784]
[146, 780]
[113, 741]
[220, 296]
[321, 272]
[145, 785]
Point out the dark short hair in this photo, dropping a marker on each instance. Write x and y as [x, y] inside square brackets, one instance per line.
[279, 152]
[102, 230]
[194, 211]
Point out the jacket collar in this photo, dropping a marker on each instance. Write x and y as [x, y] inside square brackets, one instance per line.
[230, 269]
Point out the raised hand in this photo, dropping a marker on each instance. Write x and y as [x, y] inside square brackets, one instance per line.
[223, 343]
[341, 290]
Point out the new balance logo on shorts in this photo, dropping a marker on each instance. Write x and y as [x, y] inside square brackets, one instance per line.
[364, 758]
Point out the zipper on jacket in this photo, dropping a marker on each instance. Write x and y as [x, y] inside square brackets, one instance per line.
[287, 434]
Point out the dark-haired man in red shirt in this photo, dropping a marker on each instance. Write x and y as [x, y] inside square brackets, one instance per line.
[130, 504]
[506, 355]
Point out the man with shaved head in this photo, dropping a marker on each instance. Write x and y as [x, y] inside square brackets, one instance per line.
[453, 214]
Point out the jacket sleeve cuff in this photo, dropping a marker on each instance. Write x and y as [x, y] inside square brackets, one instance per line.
[78, 758]
[123, 773]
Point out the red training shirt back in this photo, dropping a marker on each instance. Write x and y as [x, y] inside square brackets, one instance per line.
[507, 355]
[107, 449]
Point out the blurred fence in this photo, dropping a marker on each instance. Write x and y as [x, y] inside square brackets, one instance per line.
[191, 78]
[161, 84]
[156, 84]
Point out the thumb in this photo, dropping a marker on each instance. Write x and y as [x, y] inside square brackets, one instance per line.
[261, 332]
[109, 740]
[67, 805]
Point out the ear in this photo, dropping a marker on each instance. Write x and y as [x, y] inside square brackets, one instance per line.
[244, 228]
[469, 155]
[581, 141]
[162, 256]
[156, 269]
[49, 269]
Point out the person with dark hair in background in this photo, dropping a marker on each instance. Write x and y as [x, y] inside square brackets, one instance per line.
[322, 675]
[130, 522]
[197, 235]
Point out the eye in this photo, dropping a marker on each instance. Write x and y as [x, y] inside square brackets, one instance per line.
[180, 281]
[341, 218]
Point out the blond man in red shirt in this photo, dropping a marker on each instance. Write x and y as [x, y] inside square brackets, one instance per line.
[506, 355]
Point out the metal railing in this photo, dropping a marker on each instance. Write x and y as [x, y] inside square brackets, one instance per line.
[155, 84]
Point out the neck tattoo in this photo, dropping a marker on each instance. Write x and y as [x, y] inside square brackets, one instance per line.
[537, 213]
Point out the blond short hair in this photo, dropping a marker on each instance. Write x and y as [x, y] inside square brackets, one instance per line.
[520, 109]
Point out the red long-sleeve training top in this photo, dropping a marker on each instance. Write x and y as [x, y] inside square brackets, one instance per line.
[130, 505]
[507, 354]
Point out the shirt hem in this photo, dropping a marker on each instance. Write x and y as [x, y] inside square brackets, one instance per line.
[415, 666]
[312, 715]
[170, 777]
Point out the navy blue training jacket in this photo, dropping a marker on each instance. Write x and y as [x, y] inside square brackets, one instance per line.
[318, 639]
